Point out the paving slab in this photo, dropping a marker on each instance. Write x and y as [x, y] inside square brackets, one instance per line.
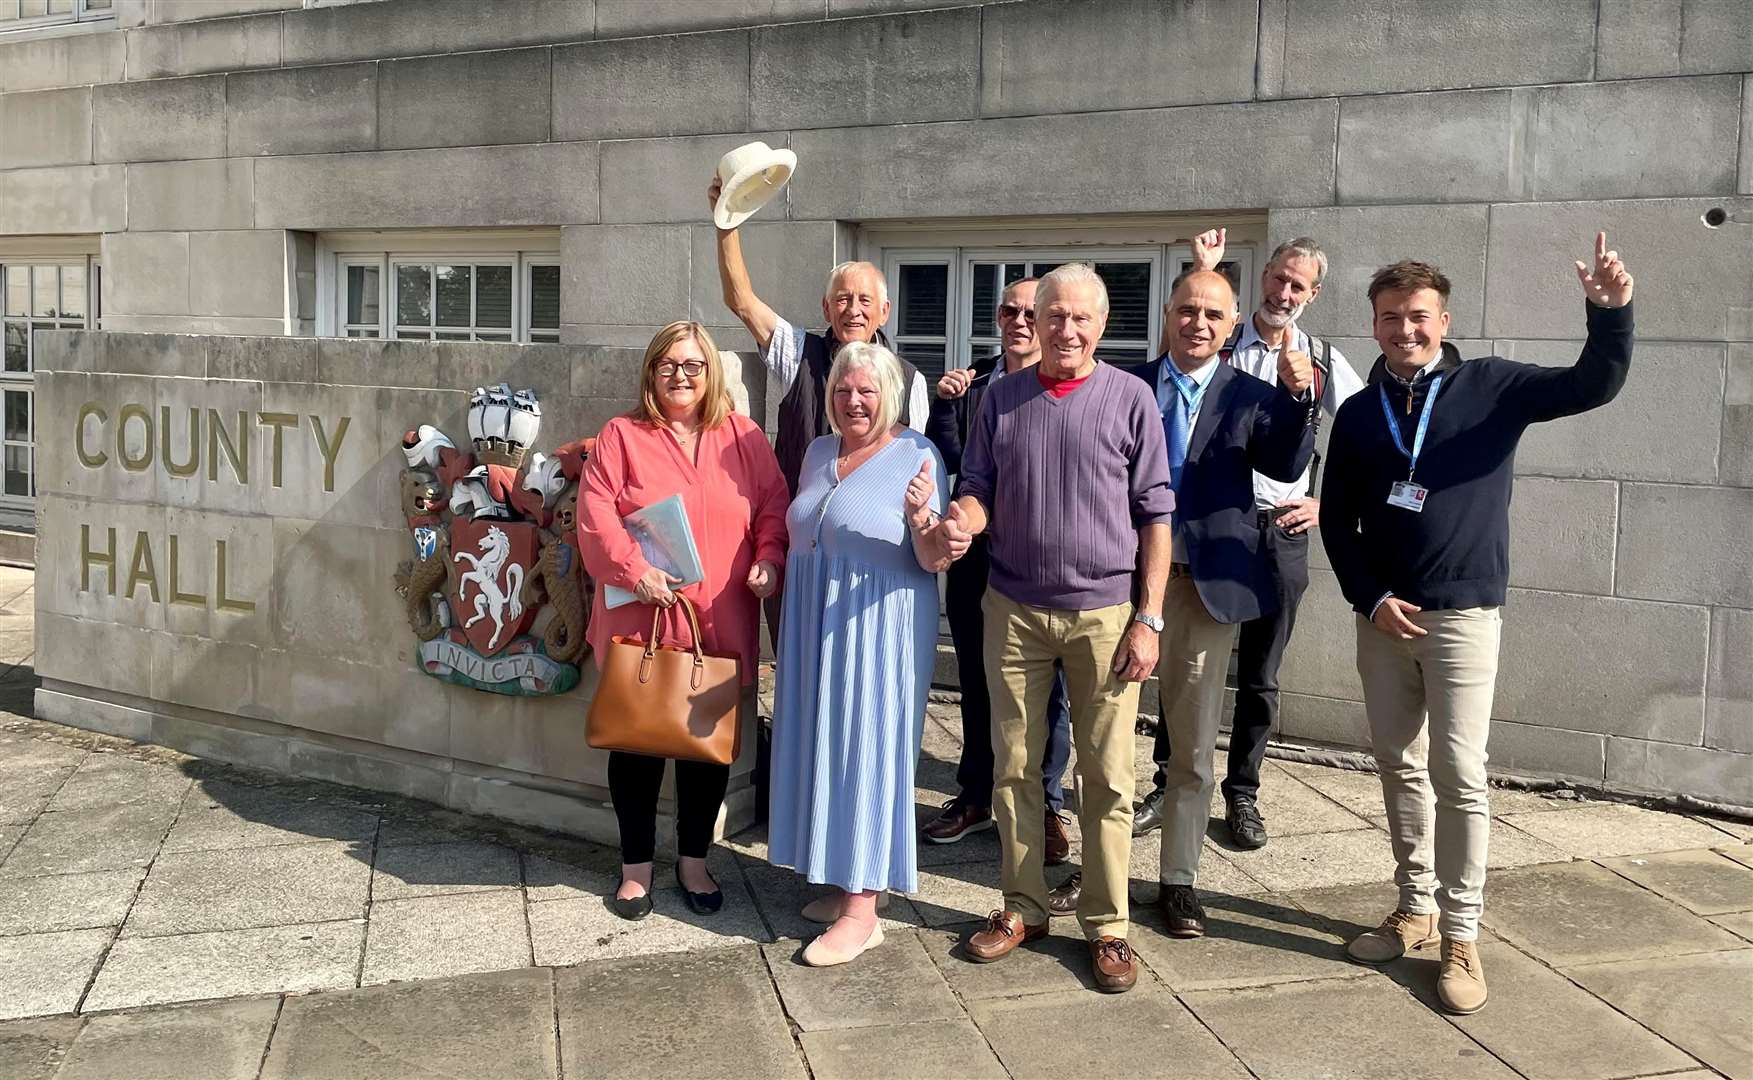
[979, 846]
[781, 894]
[895, 983]
[549, 879]
[1703, 1004]
[394, 832]
[439, 869]
[22, 756]
[1289, 863]
[1736, 827]
[237, 888]
[1249, 941]
[576, 930]
[112, 779]
[220, 1041]
[41, 905]
[78, 841]
[1358, 792]
[9, 835]
[493, 1025]
[1741, 853]
[1216, 872]
[221, 814]
[1143, 1033]
[25, 793]
[1606, 830]
[1579, 913]
[430, 937]
[936, 1048]
[1510, 847]
[1702, 882]
[229, 963]
[34, 1049]
[1506, 800]
[957, 893]
[47, 973]
[1051, 965]
[1369, 1028]
[1290, 807]
[659, 1016]
[1740, 923]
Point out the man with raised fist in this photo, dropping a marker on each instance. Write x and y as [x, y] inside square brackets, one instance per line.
[1416, 520]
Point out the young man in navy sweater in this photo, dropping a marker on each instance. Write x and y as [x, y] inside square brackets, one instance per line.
[1416, 520]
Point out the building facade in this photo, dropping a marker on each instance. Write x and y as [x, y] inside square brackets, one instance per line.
[531, 174]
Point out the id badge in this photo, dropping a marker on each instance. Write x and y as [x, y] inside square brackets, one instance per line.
[1408, 496]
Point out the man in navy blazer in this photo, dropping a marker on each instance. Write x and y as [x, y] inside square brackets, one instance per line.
[1222, 425]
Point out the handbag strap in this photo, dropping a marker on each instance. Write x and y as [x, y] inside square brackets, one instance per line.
[693, 617]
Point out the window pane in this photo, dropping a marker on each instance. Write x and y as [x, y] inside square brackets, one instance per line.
[17, 287]
[454, 335]
[18, 470]
[1014, 272]
[362, 292]
[453, 295]
[30, 9]
[490, 337]
[17, 347]
[414, 295]
[413, 335]
[43, 294]
[72, 292]
[540, 336]
[492, 296]
[98, 5]
[1122, 354]
[18, 415]
[984, 297]
[1128, 298]
[545, 296]
[924, 298]
[927, 358]
[362, 333]
[60, 7]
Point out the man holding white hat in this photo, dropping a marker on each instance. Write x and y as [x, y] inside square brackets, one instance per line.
[855, 304]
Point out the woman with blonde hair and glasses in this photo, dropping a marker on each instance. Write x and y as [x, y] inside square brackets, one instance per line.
[681, 439]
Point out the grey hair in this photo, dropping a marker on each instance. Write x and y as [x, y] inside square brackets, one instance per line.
[1072, 273]
[880, 362]
[1302, 248]
[845, 268]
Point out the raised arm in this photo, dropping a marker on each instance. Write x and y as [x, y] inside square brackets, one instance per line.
[733, 278]
[1598, 375]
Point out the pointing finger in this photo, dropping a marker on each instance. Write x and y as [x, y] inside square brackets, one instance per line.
[1600, 244]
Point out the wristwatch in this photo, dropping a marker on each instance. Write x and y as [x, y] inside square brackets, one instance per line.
[1155, 622]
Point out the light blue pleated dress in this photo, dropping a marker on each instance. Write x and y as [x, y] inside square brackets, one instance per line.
[858, 639]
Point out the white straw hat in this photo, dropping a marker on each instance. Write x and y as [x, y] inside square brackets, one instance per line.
[752, 174]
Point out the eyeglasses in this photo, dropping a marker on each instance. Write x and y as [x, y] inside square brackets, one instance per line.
[693, 369]
[1007, 312]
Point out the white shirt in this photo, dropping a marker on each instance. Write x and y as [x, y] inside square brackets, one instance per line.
[785, 353]
[1253, 357]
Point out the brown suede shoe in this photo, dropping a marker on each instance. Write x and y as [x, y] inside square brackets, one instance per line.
[957, 820]
[1058, 846]
[1063, 900]
[1003, 932]
[1116, 968]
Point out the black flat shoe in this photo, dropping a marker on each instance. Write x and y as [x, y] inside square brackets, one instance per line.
[701, 903]
[632, 910]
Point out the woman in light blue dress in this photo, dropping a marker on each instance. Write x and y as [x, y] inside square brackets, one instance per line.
[858, 641]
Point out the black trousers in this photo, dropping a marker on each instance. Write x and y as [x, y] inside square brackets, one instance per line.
[1260, 646]
[634, 780]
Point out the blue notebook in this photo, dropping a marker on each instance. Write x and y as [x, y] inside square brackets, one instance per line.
[668, 543]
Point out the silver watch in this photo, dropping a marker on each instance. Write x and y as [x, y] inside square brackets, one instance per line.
[1155, 622]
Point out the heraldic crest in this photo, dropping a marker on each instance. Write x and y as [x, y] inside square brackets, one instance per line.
[496, 590]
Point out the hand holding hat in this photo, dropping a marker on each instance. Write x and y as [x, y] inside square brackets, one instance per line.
[745, 180]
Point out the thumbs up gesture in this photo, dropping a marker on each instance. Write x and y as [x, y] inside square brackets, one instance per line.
[1296, 371]
[1607, 284]
[918, 497]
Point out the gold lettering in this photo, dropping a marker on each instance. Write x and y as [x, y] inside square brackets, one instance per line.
[191, 466]
[218, 437]
[129, 412]
[177, 596]
[223, 602]
[142, 569]
[88, 557]
[329, 452]
[279, 421]
[88, 458]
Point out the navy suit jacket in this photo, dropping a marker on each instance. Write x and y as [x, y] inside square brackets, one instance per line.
[1244, 425]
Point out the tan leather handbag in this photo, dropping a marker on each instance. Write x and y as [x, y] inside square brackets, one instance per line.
[665, 701]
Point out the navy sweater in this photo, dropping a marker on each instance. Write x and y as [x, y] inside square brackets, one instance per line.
[1456, 552]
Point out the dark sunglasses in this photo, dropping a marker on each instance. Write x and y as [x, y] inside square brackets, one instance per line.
[1007, 312]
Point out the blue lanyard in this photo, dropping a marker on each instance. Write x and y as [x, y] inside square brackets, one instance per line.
[1423, 423]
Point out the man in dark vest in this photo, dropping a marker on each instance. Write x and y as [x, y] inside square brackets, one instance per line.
[855, 305]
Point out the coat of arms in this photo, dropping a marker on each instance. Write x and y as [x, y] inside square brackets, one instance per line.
[495, 591]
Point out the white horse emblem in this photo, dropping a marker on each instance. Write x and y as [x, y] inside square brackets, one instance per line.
[500, 602]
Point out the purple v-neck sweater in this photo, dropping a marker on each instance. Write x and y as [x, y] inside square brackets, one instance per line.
[1067, 483]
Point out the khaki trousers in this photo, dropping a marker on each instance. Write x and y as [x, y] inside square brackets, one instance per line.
[1022, 645]
[1429, 707]
[1190, 675]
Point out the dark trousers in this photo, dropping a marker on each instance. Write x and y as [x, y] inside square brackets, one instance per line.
[963, 593]
[1259, 650]
[634, 780]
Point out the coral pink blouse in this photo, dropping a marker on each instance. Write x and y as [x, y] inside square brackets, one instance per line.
[736, 501]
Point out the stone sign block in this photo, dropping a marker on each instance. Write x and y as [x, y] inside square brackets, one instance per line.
[686, 85]
[906, 68]
[268, 112]
[146, 273]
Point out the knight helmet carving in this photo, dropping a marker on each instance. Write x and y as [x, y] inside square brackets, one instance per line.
[503, 425]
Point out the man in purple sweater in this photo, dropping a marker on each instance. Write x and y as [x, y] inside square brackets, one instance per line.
[1080, 555]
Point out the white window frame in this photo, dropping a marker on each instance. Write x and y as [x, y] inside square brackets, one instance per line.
[17, 510]
[528, 333]
[82, 15]
[518, 248]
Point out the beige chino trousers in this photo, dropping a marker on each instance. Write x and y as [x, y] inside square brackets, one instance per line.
[1190, 675]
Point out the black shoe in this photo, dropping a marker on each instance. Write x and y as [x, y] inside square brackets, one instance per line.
[1148, 817]
[632, 910]
[1247, 827]
[701, 903]
[1181, 911]
[1063, 900]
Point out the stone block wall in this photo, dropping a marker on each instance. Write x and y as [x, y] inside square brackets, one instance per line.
[1493, 138]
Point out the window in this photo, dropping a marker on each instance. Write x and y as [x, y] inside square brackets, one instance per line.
[44, 294]
[454, 297]
[31, 14]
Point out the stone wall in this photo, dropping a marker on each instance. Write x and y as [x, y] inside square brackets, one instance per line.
[1492, 137]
